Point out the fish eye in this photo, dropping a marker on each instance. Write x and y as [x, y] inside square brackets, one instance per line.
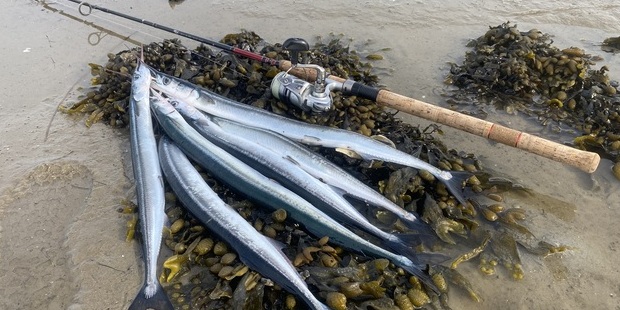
[166, 80]
[174, 103]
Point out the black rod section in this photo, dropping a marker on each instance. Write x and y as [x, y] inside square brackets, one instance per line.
[222, 46]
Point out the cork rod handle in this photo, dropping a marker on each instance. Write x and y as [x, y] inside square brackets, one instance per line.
[586, 161]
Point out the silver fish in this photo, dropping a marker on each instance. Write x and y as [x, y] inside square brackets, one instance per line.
[244, 178]
[366, 148]
[149, 188]
[293, 177]
[322, 169]
[255, 250]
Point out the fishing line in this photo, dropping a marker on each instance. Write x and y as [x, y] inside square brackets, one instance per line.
[101, 29]
[85, 9]
[91, 24]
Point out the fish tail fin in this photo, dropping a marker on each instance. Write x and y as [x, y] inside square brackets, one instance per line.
[403, 244]
[414, 223]
[159, 300]
[455, 184]
[417, 271]
[432, 258]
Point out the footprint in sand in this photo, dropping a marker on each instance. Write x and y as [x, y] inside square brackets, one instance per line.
[34, 218]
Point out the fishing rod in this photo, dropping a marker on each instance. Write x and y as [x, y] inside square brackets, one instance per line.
[317, 97]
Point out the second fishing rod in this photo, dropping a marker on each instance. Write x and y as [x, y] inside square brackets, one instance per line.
[291, 87]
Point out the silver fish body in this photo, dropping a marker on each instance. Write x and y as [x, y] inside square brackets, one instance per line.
[365, 147]
[244, 178]
[149, 188]
[321, 168]
[289, 174]
[255, 250]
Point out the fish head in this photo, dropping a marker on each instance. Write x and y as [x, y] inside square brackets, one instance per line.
[173, 87]
[142, 74]
[188, 111]
[141, 81]
[161, 104]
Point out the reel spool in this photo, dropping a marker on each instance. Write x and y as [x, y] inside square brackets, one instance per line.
[295, 91]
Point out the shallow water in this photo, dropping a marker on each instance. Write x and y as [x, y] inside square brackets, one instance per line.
[62, 239]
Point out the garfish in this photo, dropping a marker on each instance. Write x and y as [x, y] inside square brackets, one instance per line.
[293, 177]
[264, 190]
[310, 134]
[255, 250]
[322, 169]
[149, 188]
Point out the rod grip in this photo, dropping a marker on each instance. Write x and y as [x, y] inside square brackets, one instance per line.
[586, 161]
[307, 74]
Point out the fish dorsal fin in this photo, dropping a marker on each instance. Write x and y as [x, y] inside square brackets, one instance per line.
[348, 152]
[383, 139]
[279, 245]
[337, 190]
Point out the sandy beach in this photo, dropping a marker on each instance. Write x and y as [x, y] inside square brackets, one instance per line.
[62, 239]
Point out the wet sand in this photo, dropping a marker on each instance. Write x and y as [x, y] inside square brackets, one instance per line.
[62, 239]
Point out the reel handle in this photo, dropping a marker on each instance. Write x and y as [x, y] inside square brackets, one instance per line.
[294, 46]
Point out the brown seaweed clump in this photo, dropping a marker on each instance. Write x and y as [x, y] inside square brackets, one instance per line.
[204, 273]
[523, 71]
[611, 45]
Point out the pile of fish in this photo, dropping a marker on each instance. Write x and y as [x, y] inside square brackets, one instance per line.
[258, 153]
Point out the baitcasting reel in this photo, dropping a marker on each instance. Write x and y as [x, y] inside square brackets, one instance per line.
[293, 90]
